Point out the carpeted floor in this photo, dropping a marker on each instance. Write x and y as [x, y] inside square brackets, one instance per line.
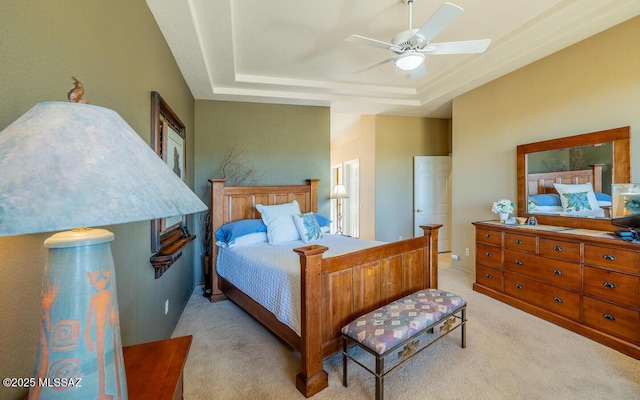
[510, 355]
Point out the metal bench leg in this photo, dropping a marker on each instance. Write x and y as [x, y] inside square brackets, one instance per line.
[379, 378]
[464, 327]
[344, 362]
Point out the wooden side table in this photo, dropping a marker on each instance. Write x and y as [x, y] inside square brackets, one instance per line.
[155, 370]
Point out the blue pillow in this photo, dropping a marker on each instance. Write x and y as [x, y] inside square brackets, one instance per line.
[548, 199]
[322, 220]
[603, 196]
[229, 232]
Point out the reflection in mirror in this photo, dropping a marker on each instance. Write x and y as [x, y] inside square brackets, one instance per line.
[567, 181]
[574, 168]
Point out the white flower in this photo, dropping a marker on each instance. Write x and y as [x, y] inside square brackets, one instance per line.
[503, 206]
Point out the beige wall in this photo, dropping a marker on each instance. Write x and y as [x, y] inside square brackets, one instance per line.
[591, 86]
[116, 49]
[386, 146]
[359, 143]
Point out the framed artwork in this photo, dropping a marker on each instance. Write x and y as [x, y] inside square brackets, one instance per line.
[168, 136]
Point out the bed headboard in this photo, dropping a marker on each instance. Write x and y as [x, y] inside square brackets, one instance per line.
[543, 182]
[232, 203]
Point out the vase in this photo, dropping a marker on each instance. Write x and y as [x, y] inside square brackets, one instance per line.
[503, 216]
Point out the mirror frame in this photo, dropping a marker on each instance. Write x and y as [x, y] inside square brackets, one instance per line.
[621, 170]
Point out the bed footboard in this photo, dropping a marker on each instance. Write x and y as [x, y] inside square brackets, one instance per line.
[337, 290]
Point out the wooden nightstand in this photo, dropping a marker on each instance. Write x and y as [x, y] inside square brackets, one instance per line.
[155, 370]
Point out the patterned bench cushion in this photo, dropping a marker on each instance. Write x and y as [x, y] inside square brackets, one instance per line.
[383, 329]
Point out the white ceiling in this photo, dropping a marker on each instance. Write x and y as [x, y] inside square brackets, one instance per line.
[293, 51]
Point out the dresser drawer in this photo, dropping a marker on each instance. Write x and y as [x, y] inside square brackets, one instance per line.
[516, 241]
[489, 255]
[608, 257]
[607, 317]
[556, 300]
[489, 236]
[560, 250]
[554, 272]
[489, 277]
[612, 286]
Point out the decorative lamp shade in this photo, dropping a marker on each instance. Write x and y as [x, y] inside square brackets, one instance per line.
[70, 165]
[339, 192]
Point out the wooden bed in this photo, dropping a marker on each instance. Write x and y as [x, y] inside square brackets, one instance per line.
[543, 182]
[334, 290]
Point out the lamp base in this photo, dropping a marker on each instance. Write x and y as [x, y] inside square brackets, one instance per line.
[79, 352]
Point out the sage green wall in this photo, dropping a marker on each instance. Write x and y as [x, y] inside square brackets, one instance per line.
[397, 141]
[116, 49]
[285, 144]
[590, 86]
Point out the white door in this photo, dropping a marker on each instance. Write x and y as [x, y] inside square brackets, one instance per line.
[352, 204]
[431, 196]
[336, 178]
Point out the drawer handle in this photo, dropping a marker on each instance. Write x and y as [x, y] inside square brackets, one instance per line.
[610, 285]
[519, 262]
[518, 241]
[609, 317]
[557, 248]
[488, 236]
[609, 257]
[487, 254]
[518, 286]
[557, 272]
[489, 276]
[557, 299]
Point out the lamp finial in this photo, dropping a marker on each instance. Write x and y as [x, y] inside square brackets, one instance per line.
[75, 93]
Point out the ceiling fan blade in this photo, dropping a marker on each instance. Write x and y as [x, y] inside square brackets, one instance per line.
[375, 64]
[369, 42]
[445, 15]
[463, 47]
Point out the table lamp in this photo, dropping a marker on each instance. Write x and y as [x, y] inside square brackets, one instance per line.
[71, 165]
[339, 192]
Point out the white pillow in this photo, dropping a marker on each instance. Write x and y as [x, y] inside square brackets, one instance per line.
[279, 221]
[308, 227]
[577, 199]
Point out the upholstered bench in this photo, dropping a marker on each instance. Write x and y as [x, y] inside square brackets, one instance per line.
[399, 326]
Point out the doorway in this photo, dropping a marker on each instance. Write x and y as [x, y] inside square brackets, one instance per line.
[347, 174]
[432, 196]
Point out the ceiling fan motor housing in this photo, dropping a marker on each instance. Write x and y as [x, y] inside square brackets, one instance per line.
[406, 40]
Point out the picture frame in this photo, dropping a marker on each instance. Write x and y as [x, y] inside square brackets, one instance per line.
[168, 139]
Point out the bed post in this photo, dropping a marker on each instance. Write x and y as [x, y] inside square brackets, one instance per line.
[217, 220]
[313, 183]
[312, 378]
[597, 177]
[431, 231]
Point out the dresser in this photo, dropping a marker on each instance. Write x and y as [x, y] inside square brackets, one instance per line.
[584, 280]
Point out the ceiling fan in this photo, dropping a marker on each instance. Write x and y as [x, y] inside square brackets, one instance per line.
[412, 45]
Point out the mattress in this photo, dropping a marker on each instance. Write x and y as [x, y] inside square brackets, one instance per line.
[270, 275]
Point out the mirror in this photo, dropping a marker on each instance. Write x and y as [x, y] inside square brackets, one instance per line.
[601, 158]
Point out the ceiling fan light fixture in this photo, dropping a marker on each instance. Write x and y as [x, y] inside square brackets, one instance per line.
[409, 61]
